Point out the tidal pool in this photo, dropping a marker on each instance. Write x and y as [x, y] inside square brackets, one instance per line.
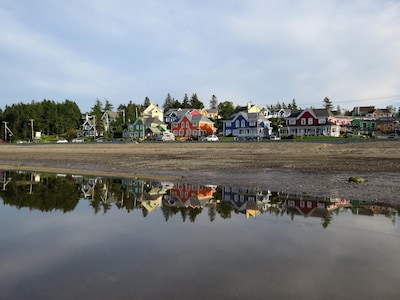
[75, 237]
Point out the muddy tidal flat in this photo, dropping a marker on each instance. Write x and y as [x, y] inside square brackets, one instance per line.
[315, 168]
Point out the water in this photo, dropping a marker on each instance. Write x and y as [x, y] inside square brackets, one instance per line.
[74, 237]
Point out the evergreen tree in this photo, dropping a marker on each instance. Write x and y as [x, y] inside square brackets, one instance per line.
[185, 102]
[338, 110]
[108, 105]
[97, 112]
[327, 103]
[213, 102]
[168, 103]
[146, 102]
[195, 102]
[294, 105]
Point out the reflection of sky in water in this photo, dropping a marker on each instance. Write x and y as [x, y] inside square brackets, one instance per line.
[120, 255]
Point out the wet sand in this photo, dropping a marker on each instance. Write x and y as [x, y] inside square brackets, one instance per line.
[303, 167]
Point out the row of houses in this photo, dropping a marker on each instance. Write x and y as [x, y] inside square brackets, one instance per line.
[250, 121]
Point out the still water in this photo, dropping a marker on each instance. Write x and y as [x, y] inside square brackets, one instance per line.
[75, 237]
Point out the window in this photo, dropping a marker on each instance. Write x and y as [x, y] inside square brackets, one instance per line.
[237, 124]
[187, 124]
[183, 124]
[321, 121]
[252, 123]
[292, 122]
[303, 121]
[228, 124]
[243, 123]
[310, 121]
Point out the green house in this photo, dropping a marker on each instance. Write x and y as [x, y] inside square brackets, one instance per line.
[364, 124]
[145, 128]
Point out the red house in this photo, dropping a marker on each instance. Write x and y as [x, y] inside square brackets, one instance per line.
[311, 122]
[193, 124]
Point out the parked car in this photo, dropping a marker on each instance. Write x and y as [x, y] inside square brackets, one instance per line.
[393, 136]
[211, 138]
[275, 138]
[166, 136]
[62, 141]
[101, 140]
[77, 140]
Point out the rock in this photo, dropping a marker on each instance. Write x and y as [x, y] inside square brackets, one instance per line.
[356, 179]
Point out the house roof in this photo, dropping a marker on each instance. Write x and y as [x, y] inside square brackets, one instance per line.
[112, 114]
[322, 112]
[201, 119]
[154, 130]
[149, 121]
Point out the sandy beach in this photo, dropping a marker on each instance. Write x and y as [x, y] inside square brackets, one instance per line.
[303, 167]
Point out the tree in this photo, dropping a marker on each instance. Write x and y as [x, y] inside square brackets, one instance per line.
[97, 112]
[294, 106]
[226, 109]
[213, 102]
[327, 103]
[185, 102]
[338, 110]
[195, 102]
[108, 105]
[146, 102]
[168, 103]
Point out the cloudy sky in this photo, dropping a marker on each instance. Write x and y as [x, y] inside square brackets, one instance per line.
[256, 50]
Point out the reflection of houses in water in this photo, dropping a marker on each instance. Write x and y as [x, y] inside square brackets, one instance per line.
[313, 206]
[35, 178]
[152, 195]
[147, 194]
[88, 185]
[247, 201]
[189, 195]
[371, 208]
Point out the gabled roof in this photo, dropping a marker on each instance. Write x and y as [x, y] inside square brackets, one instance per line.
[149, 121]
[201, 119]
[180, 112]
[196, 119]
[250, 117]
[110, 113]
[322, 112]
[316, 112]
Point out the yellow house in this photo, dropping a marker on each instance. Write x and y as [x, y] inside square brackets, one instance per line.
[153, 111]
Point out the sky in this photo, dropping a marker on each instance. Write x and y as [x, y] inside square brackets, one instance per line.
[257, 51]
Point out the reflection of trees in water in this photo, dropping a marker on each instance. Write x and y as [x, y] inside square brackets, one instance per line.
[185, 212]
[48, 194]
[327, 219]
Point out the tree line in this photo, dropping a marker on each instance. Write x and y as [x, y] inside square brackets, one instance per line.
[65, 118]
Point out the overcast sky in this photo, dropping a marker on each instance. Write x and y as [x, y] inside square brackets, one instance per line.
[256, 50]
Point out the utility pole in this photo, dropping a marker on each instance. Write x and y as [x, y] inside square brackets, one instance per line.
[31, 120]
[5, 130]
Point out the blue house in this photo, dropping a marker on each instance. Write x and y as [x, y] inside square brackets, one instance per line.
[247, 125]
